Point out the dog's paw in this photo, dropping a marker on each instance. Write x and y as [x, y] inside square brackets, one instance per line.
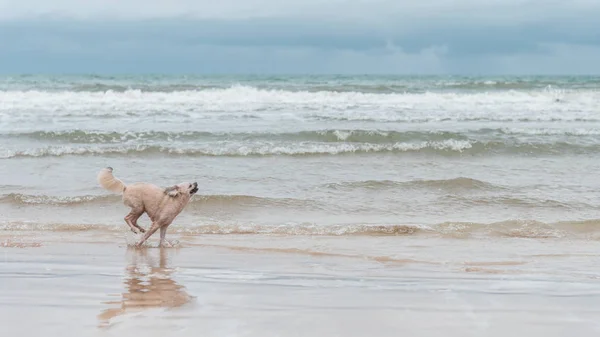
[169, 244]
[134, 231]
[142, 230]
[165, 245]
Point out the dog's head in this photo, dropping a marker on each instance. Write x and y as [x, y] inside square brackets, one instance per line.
[183, 189]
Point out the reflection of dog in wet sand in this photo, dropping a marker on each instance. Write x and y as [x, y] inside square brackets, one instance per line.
[148, 285]
[161, 204]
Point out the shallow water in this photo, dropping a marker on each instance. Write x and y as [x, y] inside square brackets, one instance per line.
[294, 286]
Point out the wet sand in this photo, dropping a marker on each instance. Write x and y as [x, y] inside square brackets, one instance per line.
[90, 283]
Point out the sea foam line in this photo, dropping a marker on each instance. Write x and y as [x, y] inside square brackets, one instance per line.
[321, 135]
[237, 150]
[265, 102]
[508, 229]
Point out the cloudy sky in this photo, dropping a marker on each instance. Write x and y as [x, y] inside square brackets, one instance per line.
[300, 36]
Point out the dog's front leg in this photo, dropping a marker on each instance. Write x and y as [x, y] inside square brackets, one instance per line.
[163, 234]
[155, 226]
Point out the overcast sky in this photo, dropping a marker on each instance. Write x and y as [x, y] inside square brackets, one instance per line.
[300, 36]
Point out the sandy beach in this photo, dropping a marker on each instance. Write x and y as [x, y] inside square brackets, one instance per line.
[89, 283]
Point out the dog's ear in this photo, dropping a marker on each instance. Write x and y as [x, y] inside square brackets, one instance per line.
[172, 191]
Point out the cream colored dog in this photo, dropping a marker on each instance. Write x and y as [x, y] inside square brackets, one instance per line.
[161, 204]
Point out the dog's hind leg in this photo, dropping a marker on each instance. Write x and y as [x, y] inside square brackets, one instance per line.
[155, 226]
[134, 221]
[132, 217]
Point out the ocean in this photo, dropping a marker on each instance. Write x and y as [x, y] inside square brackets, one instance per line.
[422, 204]
[308, 154]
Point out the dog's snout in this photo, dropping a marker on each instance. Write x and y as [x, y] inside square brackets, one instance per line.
[194, 188]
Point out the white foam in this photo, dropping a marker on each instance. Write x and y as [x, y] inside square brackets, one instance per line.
[236, 149]
[249, 102]
[552, 131]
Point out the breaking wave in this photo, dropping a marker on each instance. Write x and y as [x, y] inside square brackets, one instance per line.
[241, 100]
[326, 136]
[451, 147]
[457, 192]
[25, 199]
[337, 83]
[200, 200]
[486, 141]
[237, 150]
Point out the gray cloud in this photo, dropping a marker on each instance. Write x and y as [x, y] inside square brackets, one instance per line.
[460, 39]
[374, 11]
[434, 36]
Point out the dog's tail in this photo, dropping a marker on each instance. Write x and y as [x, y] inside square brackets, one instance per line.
[109, 182]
